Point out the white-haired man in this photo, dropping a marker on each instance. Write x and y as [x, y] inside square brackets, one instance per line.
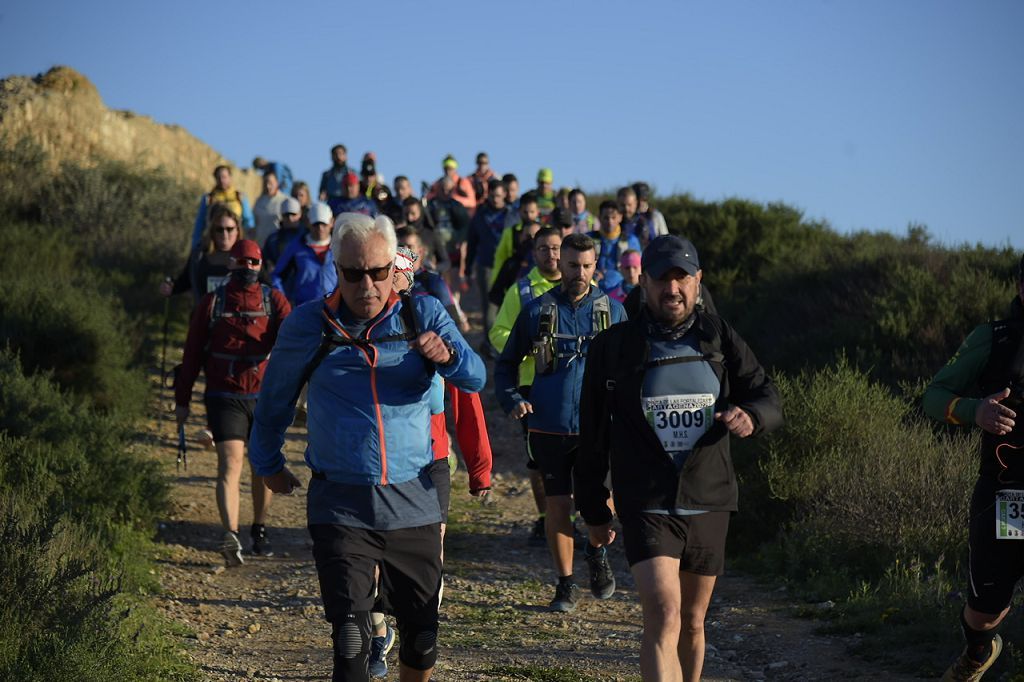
[371, 502]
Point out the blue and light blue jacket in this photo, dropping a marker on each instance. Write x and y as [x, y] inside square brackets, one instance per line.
[555, 397]
[368, 404]
[300, 275]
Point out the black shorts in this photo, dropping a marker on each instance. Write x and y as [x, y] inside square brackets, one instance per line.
[410, 570]
[229, 418]
[441, 477]
[697, 540]
[994, 566]
[555, 456]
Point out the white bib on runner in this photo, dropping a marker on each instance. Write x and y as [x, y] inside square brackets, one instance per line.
[1010, 515]
[213, 282]
[679, 420]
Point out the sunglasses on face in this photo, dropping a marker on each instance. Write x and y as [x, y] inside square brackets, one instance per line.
[248, 261]
[224, 230]
[353, 275]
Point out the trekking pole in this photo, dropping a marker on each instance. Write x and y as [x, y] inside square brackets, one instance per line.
[163, 343]
[182, 448]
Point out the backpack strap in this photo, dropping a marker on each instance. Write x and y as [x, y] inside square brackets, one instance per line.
[1006, 357]
[525, 290]
[331, 339]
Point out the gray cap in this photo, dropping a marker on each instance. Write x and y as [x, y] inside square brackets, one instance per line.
[291, 205]
[669, 251]
[320, 212]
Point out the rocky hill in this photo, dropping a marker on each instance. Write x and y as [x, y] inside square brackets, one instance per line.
[63, 112]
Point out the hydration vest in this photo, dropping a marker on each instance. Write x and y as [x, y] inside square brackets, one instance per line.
[1004, 455]
[218, 313]
[545, 349]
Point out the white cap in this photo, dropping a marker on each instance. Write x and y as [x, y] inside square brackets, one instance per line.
[320, 212]
[291, 205]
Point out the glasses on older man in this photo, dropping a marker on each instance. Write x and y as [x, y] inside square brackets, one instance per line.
[354, 275]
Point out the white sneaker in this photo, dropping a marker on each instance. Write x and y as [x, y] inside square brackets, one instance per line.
[231, 548]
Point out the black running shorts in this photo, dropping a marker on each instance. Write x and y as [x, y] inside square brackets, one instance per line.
[410, 570]
[229, 418]
[697, 540]
[441, 477]
[994, 566]
[555, 456]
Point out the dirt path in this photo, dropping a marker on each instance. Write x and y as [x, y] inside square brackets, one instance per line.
[264, 621]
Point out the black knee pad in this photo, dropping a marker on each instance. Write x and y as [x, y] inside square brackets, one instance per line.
[418, 649]
[977, 638]
[351, 635]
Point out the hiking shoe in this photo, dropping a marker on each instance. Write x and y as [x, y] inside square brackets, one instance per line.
[566, 597]
[602, 580]
[966, 669]
[260, 543]
[538, 536]
[231, 549]
[379, 648]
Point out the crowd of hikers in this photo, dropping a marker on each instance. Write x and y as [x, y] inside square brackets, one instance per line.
[344, 310]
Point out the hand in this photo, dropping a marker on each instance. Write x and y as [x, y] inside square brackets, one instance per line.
[283, 482]
[464, 326]
[993, 416]
[521, 409]
[432, 347]
[601, 535]
[181, 414]
[482, 492]
[166, 288]
[736, 420]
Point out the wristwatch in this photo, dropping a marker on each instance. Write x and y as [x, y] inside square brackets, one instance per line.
[451, 355]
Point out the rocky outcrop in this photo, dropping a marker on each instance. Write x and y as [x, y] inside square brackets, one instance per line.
[63, 112]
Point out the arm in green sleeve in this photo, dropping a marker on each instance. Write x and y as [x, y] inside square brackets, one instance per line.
[944, 399]
[504, 251]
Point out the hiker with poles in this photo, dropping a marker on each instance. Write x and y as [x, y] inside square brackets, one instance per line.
[229, 338]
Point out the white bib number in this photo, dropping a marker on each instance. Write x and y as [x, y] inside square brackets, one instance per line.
[1010, 515]
[680, 420]
[213, 282]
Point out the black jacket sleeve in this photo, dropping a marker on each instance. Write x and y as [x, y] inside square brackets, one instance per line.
[592, 457]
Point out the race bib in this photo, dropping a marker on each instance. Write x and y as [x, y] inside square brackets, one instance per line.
[1010, 515]
[213, 282]
[679, 420]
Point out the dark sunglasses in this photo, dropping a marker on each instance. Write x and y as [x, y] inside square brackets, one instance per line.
[354, 275]
[247, 261]
[224, 230]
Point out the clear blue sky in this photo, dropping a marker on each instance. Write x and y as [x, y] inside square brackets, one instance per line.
[868, 114]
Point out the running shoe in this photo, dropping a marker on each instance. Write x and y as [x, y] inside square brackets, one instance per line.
[538, 536]
[602, 580]
[566, 597]
[231, 549]
[966, 669]
[260, 543]
[379, 648]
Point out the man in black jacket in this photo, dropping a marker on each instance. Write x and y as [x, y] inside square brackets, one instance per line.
[679, 380]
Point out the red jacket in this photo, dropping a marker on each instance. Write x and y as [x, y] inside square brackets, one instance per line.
[233, 353]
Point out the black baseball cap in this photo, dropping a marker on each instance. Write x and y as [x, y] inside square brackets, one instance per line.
[669, 251]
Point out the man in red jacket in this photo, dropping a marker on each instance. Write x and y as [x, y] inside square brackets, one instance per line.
[232, 331]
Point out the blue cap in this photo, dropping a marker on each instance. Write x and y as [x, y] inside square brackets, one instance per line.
[669, 251]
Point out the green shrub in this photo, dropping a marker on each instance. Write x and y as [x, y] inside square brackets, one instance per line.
[58, 320]
[62, 614]
[864, 475]
[73, 457]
